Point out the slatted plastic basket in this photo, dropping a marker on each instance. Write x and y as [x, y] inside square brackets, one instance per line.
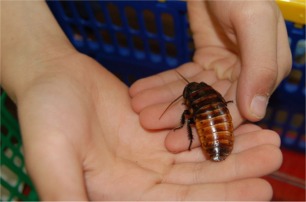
[135, 39]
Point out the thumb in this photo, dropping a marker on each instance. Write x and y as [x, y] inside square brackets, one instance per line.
[255, 86]
[51, 159]
[54, 169]
[256, 33]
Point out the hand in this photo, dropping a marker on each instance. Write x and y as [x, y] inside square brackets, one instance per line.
[82, 141]
[244, 42]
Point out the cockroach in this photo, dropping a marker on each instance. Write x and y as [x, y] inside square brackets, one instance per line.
[207, 110]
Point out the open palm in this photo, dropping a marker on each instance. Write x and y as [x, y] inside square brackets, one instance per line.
[82, 140]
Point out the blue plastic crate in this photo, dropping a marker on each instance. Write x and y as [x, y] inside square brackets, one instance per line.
[133, 39]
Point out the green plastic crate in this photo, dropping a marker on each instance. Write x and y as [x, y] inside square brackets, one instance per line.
[15, 183]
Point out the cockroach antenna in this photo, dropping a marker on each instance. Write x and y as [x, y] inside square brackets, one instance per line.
[182, 76]
[176, 99]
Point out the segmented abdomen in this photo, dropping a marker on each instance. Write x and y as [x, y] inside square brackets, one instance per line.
[213, 122]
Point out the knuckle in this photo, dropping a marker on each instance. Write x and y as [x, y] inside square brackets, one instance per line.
[197, 173]
[265, 77]
[267, 73]
[270, 137]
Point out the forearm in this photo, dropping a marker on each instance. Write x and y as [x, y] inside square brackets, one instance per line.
[30, 36]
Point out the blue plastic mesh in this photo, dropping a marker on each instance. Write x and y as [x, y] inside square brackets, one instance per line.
[133, 39]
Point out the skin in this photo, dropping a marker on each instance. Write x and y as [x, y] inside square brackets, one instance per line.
[83, 141]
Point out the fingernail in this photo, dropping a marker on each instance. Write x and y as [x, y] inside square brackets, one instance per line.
[259, 105]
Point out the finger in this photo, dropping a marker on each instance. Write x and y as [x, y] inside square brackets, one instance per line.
[258, 48]
[247, 164]
[54, 169]
[160, 116]
[151, 82]
[161, 79]
[231, 95]
[203, 26]
[51, 160]
[178, 142]
[246, 128]
[252, 189]
[157, 95]
[283, 51]
[168, 92]
[166, 86]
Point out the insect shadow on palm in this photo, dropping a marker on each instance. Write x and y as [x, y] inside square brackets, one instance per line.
[207, 110]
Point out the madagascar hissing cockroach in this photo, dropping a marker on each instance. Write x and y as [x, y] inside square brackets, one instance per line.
[207, 111]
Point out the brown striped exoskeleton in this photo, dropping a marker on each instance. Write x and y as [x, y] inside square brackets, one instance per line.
[207, 110]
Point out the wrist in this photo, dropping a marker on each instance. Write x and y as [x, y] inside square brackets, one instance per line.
[21, 74]
[30, 37]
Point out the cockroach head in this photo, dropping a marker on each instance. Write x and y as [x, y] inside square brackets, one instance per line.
[189, 88]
